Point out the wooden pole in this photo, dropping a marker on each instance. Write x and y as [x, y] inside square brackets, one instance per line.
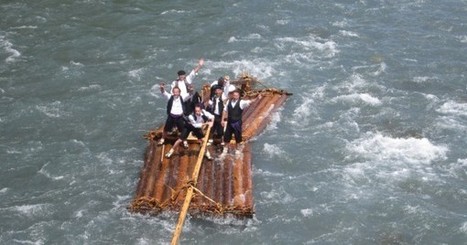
[189, 193]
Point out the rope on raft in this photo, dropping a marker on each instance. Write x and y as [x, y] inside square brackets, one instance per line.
[149, 203]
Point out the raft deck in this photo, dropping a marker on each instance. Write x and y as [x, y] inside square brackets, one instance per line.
[225, 184]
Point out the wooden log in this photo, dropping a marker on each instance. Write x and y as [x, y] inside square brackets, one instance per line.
[248, 183]
[190, 190]
[227, 183]
[238, 190]
[145, 172]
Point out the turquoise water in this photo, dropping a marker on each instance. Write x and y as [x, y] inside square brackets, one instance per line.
[370, 149]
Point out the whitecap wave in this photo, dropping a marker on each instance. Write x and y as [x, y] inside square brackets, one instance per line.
[453, 108]
[91, 87]
[136, 73]
[348, 33]
[44, 172]
[358, 98]
[309, 44]
[31, 210]
[272, 150]
[307, 212]
[53, 110]
[23, 27]
[463, 228]
[377, 148]
[173, 11]
[8, 47]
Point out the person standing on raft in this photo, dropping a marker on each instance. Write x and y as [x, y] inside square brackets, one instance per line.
[216, 107]
[175, 111]
[184, 80]
[196, 121]
[233, 113]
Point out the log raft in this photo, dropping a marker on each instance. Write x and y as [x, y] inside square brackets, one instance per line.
[225, 184]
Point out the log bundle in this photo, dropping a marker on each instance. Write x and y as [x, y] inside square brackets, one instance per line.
[224, 185]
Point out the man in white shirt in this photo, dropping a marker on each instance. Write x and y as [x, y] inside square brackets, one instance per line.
[232, 118]
[175, 110]
[183, 80]
[195, 124]
[216, 107]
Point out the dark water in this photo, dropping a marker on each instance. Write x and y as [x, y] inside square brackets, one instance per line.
[369, 150]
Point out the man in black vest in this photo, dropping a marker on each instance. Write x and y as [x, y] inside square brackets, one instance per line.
[175, 111]
[233, 113]
[216, 107]
[195, 124]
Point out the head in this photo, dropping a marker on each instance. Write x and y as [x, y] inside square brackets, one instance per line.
[236, 95]
[197, 109]
[220, 81]
[176, 91]
[190, 88]
[218, 91]
[226, 78]
[181, 75]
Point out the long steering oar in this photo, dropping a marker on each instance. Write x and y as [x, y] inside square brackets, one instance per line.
[189, 194]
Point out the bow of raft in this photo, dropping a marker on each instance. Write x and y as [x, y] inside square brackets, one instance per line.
[223, 185]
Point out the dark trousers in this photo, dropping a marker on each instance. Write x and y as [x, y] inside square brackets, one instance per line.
[198, 132]
[174, 120]
[233, 128]
[217, 129]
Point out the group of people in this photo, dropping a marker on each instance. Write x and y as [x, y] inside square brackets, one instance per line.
[187, 111]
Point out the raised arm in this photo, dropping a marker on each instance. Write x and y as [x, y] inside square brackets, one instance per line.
[191, 76]
[246, 103]
[166, 94]
[200, 64]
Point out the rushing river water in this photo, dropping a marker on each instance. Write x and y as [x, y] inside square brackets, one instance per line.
[370, 149]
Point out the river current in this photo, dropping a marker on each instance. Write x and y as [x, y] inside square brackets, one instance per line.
[370, 149]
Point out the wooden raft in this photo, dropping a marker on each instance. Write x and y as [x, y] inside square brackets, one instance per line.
[224, 184]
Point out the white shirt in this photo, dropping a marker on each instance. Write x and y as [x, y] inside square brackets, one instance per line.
[177, 107]
[198, 123]
[243, 104]
[216, 99]
[181, 84]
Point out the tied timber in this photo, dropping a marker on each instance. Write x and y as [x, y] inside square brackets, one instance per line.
[189, 182]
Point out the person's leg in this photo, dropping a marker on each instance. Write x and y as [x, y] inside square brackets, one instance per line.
[238, 132]
[180, 123]
[174, 147]
[169, 123]
[227, 137]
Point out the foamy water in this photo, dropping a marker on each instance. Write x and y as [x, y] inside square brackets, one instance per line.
[370, 149]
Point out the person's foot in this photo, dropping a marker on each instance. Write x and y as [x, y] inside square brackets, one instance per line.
[169, 154]
[161, 141]
[185, 144]
[208, 155]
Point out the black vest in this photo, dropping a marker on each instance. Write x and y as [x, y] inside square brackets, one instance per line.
[219, 105]
[234, 113]
[170, 103]
[191, 103]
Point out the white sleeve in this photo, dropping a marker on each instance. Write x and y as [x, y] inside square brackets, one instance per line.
[173, 85]
[193, 122]
[244, 103]
[167, 95]
[213, 83]
[190, 77]
[208, 114]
